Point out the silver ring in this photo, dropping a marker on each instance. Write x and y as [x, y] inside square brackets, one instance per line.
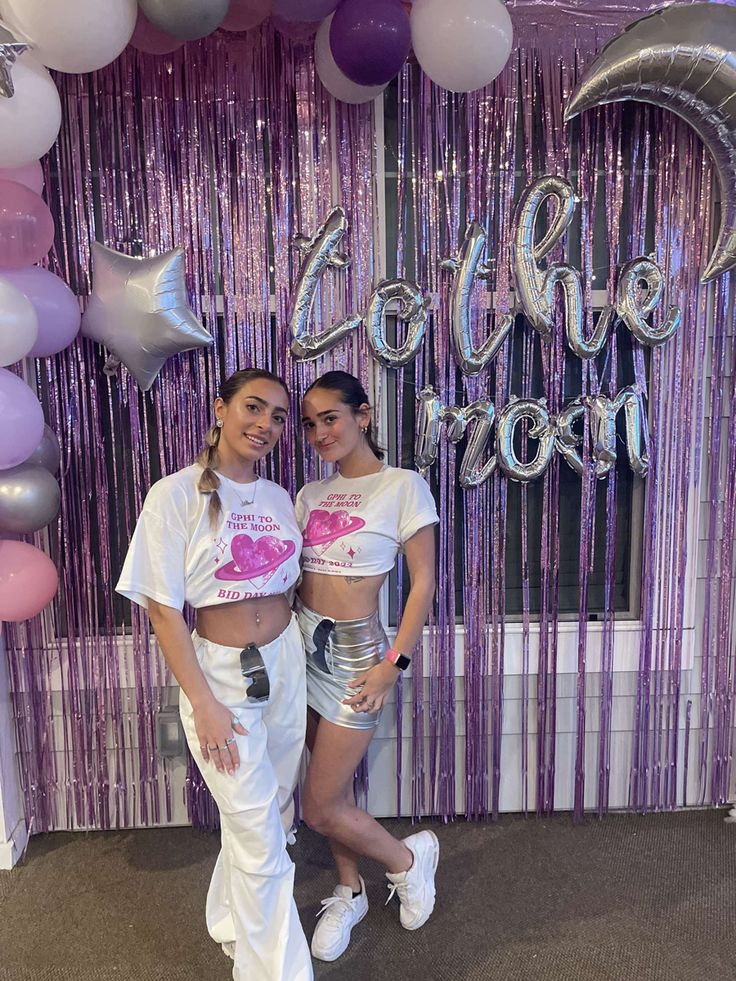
[235, 721]
[213, 748]
[230, 741]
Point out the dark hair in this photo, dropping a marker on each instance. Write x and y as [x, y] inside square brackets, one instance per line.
[208, 458]
[352, 393]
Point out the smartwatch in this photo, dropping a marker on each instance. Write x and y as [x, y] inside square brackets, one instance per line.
[401, 661]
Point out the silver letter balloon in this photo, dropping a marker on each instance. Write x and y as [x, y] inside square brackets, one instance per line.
[321, 251]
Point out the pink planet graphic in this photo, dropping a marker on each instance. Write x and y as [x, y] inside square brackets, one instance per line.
[251, 559]
[328, 526]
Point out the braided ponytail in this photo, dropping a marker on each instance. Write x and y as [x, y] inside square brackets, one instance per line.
[209, 482]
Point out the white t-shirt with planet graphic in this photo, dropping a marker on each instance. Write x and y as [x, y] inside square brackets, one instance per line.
[177, 556]
[355, 526]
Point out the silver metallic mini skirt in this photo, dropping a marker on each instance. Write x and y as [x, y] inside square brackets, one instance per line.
[337, 652]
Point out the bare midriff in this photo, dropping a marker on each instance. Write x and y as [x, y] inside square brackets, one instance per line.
[250, 621]
[341, 597]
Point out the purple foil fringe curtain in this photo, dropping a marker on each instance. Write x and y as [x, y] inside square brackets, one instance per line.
[230, 148]
[489, 143]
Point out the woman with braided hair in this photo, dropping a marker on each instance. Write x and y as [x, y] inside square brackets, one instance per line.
[224, 540]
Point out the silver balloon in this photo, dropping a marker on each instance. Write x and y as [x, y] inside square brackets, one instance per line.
[185, 19]
[139, 311]
[412, 307]
[684, 59]
[320, 252]
[633, 304]
[29, 499]
[535, 287]
[529, 280]
[431, 416]
[604, 412]
[472, 472]
[48, 452]
[572, 293]
[636, 428]
[466, 267]
[604, 431]
[10, 49]
[541, 429]
[567, 441]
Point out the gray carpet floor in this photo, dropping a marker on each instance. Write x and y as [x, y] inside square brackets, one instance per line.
[628, 898]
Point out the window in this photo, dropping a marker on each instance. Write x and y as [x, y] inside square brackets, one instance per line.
[629, 492]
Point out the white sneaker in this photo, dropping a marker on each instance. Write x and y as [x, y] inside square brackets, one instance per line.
[416, 887]
[340, 912]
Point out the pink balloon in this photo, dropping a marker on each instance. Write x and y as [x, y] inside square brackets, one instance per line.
[57, 308]
[243, 15]
[296, 30]
[150, 40]
[28, 580]
[22, 421]
[26, 226]
[31, 175]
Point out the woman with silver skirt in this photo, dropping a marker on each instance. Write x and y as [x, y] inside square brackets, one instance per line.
[354, 524]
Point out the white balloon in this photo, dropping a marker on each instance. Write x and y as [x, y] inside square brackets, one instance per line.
[461, 45]
[30, 121]
[72, 35]
[337, 83]
[18, 324]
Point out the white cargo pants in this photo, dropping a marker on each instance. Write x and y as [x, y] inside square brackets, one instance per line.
[251, 895]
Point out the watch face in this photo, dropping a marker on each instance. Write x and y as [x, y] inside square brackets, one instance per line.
[401, 661]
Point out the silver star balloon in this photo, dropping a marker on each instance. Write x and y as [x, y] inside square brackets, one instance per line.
[10, 48]
[139, 311]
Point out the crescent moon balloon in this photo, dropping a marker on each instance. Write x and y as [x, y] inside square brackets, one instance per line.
[682, 58]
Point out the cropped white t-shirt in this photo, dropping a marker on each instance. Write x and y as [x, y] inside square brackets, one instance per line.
[176, 556]
[357, 525]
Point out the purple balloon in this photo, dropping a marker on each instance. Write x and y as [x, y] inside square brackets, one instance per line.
[26, 226]
[304, 10]
[57, 308]
[370, 41]
[22, 420]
